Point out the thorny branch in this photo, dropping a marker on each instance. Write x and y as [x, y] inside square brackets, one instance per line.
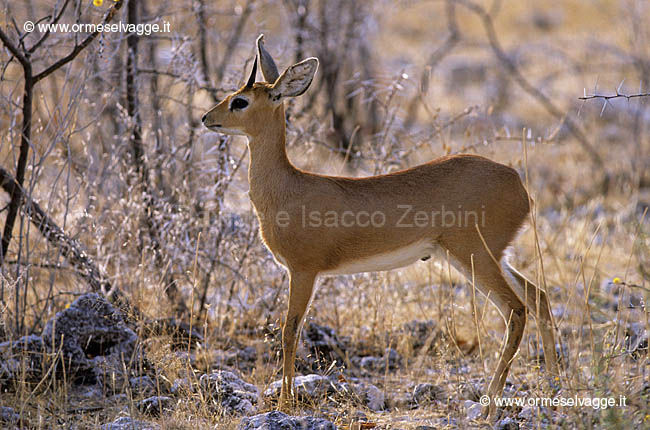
[607, 98]
[618, 94]
[613, 96]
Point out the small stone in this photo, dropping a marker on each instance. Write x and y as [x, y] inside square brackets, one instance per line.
[182, 386]
[232, 394]
[374, 364]
[323, 342]
[279, 421]
[142, 385]
[8, 415]
[91, 392]
[448, 422]
[306, 387]
[249, 353]
[474, 409]
[371, 396]
[128, 423]
[421, 333]
[118, 399]
[425, 394]
[21, 359]
[154, 405]
[526, 413]
[636, 338]
[507, 424]
[181, 332]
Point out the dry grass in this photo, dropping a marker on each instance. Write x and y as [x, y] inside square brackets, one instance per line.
[583, 237]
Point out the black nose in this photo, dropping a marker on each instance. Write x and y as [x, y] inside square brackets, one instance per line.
[203, 118]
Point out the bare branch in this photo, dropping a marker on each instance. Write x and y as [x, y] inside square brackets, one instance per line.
[13, 49]
[47, 33]
[139, 159]
[203, 49]
[70, 248]
[80, 47]
[613, 96]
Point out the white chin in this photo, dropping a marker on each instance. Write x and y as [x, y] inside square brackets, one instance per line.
[229, 131]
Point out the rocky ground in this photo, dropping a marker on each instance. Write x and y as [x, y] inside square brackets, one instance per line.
[115, 379]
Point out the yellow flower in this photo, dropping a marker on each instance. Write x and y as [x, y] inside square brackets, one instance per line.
[616, 280]
[98, 2]
[67, 305]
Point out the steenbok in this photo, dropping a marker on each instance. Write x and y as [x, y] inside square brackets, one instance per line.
[319, 225]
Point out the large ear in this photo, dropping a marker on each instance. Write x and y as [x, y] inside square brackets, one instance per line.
[269, 69]
[295, 80]
[251, 78]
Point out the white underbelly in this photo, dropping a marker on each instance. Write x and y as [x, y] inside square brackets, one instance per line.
[386, 261]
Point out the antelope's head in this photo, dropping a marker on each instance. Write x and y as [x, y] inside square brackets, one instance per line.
[249, 109]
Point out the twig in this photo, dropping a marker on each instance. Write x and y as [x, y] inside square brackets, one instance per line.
[80, 47]
[48, 32]
[613, 96]
[12, 48]
[140, 162]
[31, 80]
[203, 49]
[607, 98]
[70, 248]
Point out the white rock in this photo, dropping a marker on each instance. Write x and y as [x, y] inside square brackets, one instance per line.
[473, 409]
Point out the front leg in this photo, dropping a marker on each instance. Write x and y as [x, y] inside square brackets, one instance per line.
[300, 291]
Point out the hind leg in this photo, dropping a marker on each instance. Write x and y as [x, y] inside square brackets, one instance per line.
[538, 305]
[492, 283]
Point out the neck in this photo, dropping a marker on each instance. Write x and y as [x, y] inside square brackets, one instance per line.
[269, 166]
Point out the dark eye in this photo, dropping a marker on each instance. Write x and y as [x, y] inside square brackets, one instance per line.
[238, 104]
